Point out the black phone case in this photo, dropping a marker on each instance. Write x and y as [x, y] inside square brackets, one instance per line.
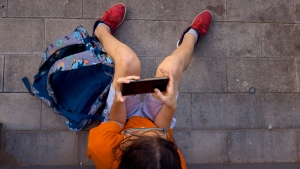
[145, 86]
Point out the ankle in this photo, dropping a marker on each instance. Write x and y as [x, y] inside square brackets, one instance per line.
[102, 28]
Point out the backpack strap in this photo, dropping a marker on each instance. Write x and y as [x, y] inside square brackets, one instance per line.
[78, 117]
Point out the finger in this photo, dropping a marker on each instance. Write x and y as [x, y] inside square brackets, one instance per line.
[163, 71]
[159, 94]
[132, 77]
[120, 98]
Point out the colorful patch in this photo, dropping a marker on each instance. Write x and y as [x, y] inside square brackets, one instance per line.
[59, 42]
[79, 63]
[60, 66]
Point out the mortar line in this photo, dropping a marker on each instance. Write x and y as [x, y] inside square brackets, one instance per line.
[297, 79]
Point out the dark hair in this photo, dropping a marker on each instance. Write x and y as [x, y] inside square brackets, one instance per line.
[149, 153]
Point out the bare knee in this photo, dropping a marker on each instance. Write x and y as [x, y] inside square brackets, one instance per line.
[127, 61]
[169, 65]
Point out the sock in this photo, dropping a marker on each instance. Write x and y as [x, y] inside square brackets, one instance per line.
[194, 32]
[101, 23]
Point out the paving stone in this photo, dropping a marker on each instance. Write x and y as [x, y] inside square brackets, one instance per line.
[261, 10]
[202, 146]
[281, 110]
[1, 72]
[14, 40]
[51, 121]
[146, 42]
[135, 9]
[3, 8]
[17, 67]
[56, 28]
[148, 67]
[263, 146]
[45, 8]
[178, 10]
[207, 75]
[20, 111]
[298, 74]
[43, 148]
[183, 112]
[231, 39]
[226, 111]
[278, 40]
[83, 140]
[263, 74]
[297, 10]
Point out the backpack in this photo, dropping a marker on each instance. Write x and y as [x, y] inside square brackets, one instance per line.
[74, 78]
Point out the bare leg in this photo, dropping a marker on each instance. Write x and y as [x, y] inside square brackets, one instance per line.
[178, 61]
[126, 61]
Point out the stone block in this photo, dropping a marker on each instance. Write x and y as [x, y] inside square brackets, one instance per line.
[261, 10]
[83, 142]
[21, 36]
[298, 74]
[3, 8]
[297, 10]
[202, 146]
[45, 8]
[278, 40]
[226, 111]
[1, 72]
[135, 9]
[178, 10]
[263, 146]
[146, 42]
[183, 112]
[20, 111]
[17, 67]
[263, 74]
[56, 28]
[231, 39]
[148, 67]
[51, 121]
[207, 75]
[43, 148]
[281, 110]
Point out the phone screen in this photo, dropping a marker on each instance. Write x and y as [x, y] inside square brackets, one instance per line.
[145, 86]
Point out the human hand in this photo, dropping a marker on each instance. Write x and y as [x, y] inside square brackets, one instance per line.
[118, 87]
[169, 96]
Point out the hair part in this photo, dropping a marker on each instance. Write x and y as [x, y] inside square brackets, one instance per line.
[149, 153]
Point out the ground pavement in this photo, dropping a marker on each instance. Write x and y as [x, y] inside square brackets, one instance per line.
[239, 99]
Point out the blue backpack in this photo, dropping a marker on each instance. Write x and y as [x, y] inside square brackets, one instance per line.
[74, 78]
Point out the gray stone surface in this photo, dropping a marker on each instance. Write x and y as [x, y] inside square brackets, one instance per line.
[158, 10]
[3, 8]
[43, 148]
[17, 67]
[202, 146]
[148, 67]
[83, 140]
[297, 10]
[261, 10]
[226, 111]
[20, 111]
[259, 146]
[21, 36]
[231, 39]
[1, 72]
[183, 112]
[264, 74]
[281, 110]
[51, 121]
[298, 75]
[45, 8]
[278, 40]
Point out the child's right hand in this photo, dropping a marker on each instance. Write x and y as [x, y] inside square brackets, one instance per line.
[118, 87]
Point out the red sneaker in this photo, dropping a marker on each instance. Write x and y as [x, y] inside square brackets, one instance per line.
[201, 24]
[113, 17]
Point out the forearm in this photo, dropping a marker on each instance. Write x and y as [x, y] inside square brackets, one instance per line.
[118, 113]
[164, 117]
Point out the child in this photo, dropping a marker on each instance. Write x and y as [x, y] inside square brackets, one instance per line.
[139, 135]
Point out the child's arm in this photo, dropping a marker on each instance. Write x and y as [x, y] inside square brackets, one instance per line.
[164, 117]
[118, 113]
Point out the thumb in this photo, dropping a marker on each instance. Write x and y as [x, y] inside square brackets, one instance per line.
[159, 94]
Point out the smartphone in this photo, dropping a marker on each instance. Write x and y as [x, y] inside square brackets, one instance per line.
[145, 86]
